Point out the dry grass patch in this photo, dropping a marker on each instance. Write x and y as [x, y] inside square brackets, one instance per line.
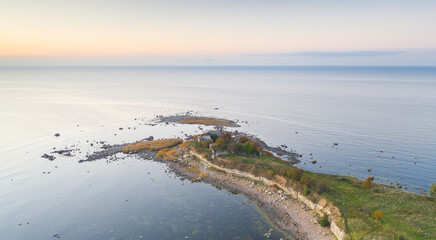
[168, 154]
[207, 121]
[152, 145]
[202, 175]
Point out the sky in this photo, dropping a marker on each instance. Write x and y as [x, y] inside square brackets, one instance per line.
[203, 32]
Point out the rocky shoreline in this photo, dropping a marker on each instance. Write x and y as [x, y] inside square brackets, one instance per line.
[290, 216]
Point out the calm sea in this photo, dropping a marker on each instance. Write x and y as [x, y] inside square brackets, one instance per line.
[383, 120]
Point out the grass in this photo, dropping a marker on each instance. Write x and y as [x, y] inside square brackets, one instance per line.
[168, 154]
[155, 145]
[207, 121]
[406, 215]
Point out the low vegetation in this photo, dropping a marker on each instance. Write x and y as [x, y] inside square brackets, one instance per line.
[207, 121]
[168, 154]
[155, 145]
[324, 221]
[368, 210]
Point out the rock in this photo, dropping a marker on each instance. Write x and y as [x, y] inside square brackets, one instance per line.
[56, 134]
[49, 157]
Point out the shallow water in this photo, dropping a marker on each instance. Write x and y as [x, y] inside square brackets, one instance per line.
[123, 199]
[365, 110]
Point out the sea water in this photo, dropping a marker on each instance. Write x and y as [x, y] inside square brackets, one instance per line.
[357, 121]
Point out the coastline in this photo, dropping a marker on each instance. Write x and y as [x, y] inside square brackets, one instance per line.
[289, 215]
[283, 199]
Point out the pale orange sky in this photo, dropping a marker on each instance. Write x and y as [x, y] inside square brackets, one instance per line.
[201, 28]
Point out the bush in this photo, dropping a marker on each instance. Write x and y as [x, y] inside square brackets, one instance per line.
[367, 182]
[322, 186]
[205, 144]
[227, 136]
[221, 142]
[296, 173]
[214, 137]
[324, 221]
[378, 214]
[432, 190]
[270, 174]
[289, 173]
[233, 148]
[248, 147]
[306, 190]
[306, 180]
[243, 139]
[257, 146]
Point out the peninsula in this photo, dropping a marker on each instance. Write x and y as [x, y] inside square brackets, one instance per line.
[302, 204]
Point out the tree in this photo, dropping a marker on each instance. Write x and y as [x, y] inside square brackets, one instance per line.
[227, 136]
[296, 173]
[378, 214]
[367, 182]
[221, 142]
[248, 147]
[214, 137]
[432, 190]
[233, 148]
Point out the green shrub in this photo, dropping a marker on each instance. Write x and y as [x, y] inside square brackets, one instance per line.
[324, 221]
[307, 181]
[248, 147]
[270, 174]
[214, 137]
[289, 173]
[322, 186]
[243, 139]
[221, 142]
[205, 144]
[306, 190]
[432, 190]
[296, 173]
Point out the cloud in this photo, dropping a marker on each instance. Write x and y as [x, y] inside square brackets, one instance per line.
[327, 54]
